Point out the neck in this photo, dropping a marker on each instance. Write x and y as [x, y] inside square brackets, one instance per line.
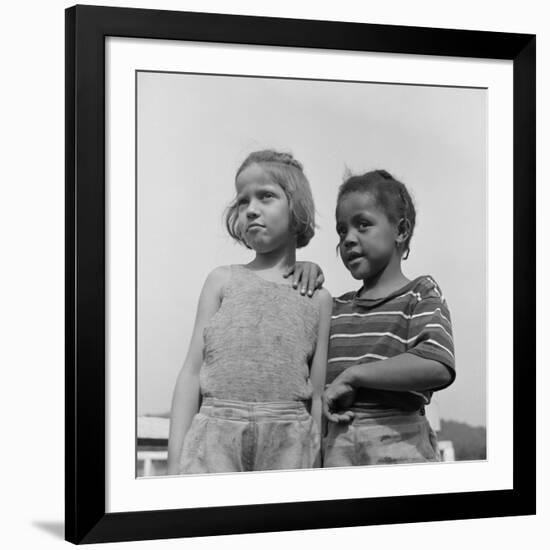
[280, 259]
[387, 281]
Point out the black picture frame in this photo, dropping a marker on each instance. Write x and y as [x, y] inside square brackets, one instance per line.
[85, 408]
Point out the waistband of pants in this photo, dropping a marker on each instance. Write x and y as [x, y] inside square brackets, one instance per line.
[387, 418]
[254, 410]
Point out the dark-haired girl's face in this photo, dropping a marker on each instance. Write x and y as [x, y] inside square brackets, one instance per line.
[367, 236]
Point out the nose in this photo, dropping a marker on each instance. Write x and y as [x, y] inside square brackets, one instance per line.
[252, 210]
[350, 239]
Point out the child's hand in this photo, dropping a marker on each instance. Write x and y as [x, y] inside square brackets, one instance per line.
[309, 276]
[338, 397]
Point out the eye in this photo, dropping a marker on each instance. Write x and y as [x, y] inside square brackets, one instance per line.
[341, 230]
[267, 195]
[242, 201]
[363, 224]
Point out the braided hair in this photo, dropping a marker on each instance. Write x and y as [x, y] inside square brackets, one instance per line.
[269, 155]
[390, 195]
[288, 173]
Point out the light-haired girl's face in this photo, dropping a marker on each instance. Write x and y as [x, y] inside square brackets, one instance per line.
[263, 210]
[367, 236]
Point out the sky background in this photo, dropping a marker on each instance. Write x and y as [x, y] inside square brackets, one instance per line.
[195, 130]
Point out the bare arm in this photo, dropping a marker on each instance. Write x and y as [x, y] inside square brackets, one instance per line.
[428, 365]
[404, 372]
[319, 362]
[186, 397]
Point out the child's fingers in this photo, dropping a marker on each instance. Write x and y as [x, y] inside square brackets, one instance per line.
[346, 416]
[306, 274]
[311, 282]
[289, 271]
[333, 417]
[341, 417]
[320, 280]
[327, 409]
[298, 271]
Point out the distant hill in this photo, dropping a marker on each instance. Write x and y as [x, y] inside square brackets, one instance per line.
[470, 443]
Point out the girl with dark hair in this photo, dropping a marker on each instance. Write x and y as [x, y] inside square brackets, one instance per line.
[391, 341]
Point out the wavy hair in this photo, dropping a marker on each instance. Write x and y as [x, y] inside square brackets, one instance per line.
[288, 173]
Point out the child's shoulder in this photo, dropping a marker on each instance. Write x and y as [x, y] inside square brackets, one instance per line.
[345, 298]
[324, 297]
[426, 287]
[221, 271]
[218, 277]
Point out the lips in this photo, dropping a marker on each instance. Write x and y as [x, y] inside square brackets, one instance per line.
[254, 226]
[352, 256]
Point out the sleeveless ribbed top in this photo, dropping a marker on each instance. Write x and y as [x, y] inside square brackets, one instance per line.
[259, 344]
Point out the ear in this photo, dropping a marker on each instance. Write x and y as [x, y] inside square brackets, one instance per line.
[403, 231]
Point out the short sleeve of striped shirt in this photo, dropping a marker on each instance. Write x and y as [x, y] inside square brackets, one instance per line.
[430, 331]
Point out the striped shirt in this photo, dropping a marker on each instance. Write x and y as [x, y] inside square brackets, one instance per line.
[414, 319]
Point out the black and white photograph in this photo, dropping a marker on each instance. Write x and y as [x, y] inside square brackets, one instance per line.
[311, 273]
[303, 253]
[274, 275]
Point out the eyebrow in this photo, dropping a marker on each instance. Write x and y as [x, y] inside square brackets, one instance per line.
[354, 218]
[360, 215]
[267, 186]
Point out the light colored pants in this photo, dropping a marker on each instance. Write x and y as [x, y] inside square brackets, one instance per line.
[239, 436]
[368, 440]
